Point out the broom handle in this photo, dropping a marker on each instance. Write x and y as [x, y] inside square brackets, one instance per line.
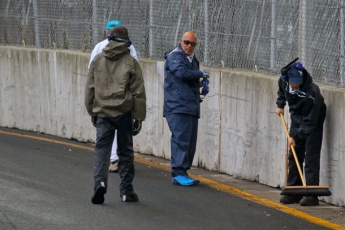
[293, 151]
[286, 163]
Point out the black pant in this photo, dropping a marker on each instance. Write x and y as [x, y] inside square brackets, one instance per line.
[105, 135]
[307, 151]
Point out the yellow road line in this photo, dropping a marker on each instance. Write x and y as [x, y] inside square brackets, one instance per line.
[211, 183]
[251, 197]
[47, 139]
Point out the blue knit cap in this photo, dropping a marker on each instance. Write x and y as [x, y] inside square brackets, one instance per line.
[112, 24]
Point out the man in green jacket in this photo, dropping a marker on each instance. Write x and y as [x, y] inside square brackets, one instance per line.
[114, 96]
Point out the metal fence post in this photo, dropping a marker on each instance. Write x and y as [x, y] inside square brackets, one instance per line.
[342, 47]
[302, 30]
[94, 23]
[151, 47]
[37, 24]
[273, 35]
[206, 33]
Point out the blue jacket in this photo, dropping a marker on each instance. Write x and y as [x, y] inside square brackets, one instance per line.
[181, 84]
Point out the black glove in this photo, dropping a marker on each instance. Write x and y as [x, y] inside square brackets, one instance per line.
[136, 127]
[94, 121]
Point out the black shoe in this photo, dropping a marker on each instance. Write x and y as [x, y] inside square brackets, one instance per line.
[129, 198]
[98, 196]
[310, 201]
[290, 199]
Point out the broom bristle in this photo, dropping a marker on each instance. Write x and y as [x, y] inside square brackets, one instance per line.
[306, 191]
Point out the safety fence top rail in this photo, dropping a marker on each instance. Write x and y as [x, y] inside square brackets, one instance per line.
[250, 35]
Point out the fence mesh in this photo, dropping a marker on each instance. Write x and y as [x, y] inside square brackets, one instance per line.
[251, 35]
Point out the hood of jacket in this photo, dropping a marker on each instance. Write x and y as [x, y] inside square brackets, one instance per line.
[307, 81]
[115, 50]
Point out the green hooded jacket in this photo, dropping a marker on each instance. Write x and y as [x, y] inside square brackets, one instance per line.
[115, 84]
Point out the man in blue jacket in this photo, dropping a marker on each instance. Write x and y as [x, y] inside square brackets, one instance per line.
[182, 105]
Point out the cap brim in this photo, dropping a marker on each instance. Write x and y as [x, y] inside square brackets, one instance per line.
[295, 77]
[297, 80]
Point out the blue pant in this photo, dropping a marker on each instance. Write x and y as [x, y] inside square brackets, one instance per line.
[105, 135]
[184, 132]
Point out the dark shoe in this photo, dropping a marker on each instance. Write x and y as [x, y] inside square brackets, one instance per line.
[113, 167]
[98, 196]
[129, 198]
[310, 201]
[290, 199]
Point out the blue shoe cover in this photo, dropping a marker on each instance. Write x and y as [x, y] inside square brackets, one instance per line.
[194, 181]
[182, 180]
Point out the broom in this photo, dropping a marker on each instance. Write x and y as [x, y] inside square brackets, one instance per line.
[302, 190]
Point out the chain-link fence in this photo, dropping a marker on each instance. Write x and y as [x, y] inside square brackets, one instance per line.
[254, 35]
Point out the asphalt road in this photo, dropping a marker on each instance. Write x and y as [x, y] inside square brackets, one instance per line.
[46, 183]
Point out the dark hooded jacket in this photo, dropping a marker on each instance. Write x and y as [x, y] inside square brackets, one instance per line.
[304, 106]
[181, 84]
[115, 84]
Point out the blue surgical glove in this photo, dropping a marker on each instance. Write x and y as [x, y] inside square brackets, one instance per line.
[205, 89]
[205, 73]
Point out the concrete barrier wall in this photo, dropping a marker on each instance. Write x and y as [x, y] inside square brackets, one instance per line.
[239, 132]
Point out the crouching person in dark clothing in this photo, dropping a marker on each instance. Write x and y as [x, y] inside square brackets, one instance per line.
[308, 112]
[114, 96]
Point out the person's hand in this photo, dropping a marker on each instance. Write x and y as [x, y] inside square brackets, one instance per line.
[94, 121]
[280, 111]
[136, 127]
[205, 74]
[291, 142]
